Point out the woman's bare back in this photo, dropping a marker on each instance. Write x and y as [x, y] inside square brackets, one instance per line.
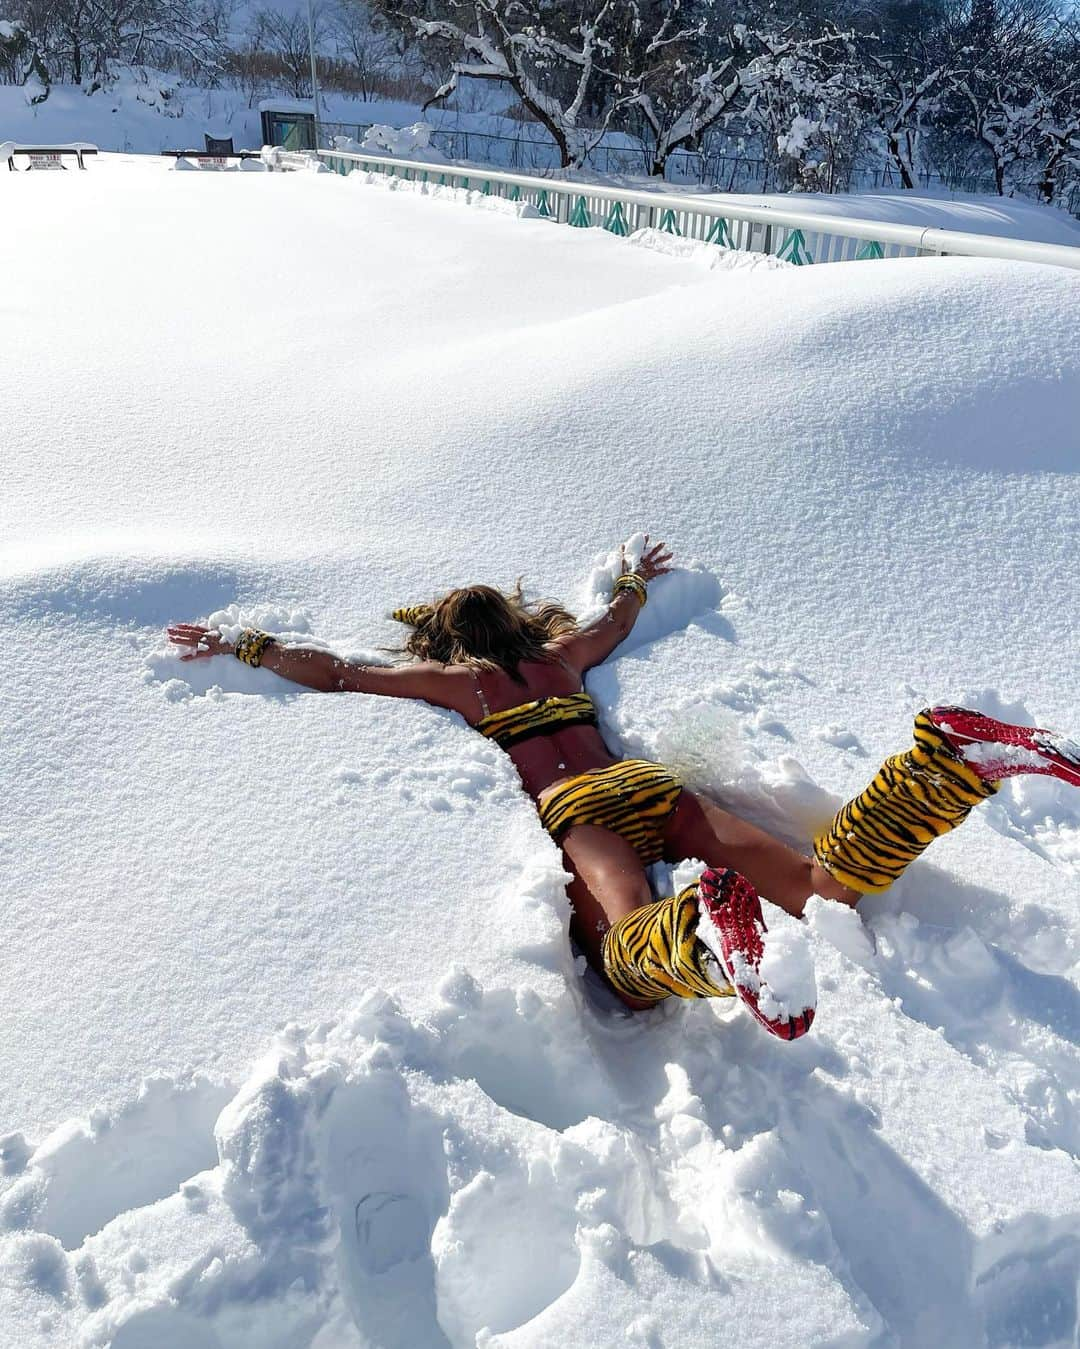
[547, 760]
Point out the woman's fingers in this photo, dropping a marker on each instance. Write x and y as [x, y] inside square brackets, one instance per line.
[205, 641]
[653, 560]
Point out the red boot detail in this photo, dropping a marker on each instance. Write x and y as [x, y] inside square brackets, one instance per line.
[996, 749]
[733, 928]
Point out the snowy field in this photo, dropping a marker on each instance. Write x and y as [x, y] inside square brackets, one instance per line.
[296, 1052]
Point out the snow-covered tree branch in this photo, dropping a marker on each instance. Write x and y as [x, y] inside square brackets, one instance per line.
[557, 62]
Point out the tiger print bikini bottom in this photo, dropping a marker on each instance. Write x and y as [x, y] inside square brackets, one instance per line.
[633, 799]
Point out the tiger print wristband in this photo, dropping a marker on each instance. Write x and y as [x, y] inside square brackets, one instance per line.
[633, 582]
[251, 646]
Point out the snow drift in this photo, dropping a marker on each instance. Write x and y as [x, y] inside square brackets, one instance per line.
[379, 1103]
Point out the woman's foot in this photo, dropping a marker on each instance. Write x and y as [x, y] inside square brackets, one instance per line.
[997, 749]
[733, 929]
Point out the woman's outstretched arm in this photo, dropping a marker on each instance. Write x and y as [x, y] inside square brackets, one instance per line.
[591, 645]
[445, 686]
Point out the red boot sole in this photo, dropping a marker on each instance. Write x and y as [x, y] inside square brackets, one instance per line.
[730, 903]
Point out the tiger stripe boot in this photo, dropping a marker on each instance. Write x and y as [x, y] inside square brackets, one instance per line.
[653, 953]
[915, 798]
[705, 942]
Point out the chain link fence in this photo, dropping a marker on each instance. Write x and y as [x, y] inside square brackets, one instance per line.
[719, 170]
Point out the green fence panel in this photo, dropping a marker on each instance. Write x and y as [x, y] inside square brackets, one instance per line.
[794, 249]
[719, 234]
[669, 224]
[871, 249]
[542, 207]
[616, 221]
[515, 192]
[579, 216]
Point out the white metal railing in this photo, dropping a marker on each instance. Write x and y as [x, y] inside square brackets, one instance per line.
[799, 236]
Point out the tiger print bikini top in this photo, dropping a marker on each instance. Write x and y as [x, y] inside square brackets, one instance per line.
[545, 716]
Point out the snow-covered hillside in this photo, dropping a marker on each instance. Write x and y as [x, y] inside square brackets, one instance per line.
[146, 111]
[296, 1052]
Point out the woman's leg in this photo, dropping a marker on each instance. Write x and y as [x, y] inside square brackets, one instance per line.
[700, 828]
[608, 883]
[915, 798]
[645, 949]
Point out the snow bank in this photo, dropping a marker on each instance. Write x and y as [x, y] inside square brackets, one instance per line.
[407, 142]
[968, 212]
[385, 1107]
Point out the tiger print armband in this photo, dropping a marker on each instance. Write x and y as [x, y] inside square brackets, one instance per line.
[251, 646]
[633, 583]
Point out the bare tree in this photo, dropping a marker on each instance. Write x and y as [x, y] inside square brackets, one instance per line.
[556, 59]
[370, 49]
[285, 38]
[1057, 149]
[808, 116]
[901, 94]
[85, 40]
[1022, 93]
[740, 72]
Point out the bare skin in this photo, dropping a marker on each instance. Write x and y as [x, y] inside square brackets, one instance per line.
[609, 880]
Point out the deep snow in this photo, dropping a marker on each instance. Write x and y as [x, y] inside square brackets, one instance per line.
[318, 398]
[970, 212]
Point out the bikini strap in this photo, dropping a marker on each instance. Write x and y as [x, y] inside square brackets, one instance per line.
[480, 694]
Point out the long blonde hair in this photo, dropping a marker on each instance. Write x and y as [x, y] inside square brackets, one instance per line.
[485, 628]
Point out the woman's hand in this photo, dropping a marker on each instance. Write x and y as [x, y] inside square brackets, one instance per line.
[199, 641]
[652, 563]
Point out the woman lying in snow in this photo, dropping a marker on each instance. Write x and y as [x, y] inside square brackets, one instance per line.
[514, 672]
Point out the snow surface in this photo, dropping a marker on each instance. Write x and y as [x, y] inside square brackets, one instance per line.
[407, 142]
[968, 212]
[296, 1050]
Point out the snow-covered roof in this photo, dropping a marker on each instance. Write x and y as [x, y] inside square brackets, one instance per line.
[287, 105]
